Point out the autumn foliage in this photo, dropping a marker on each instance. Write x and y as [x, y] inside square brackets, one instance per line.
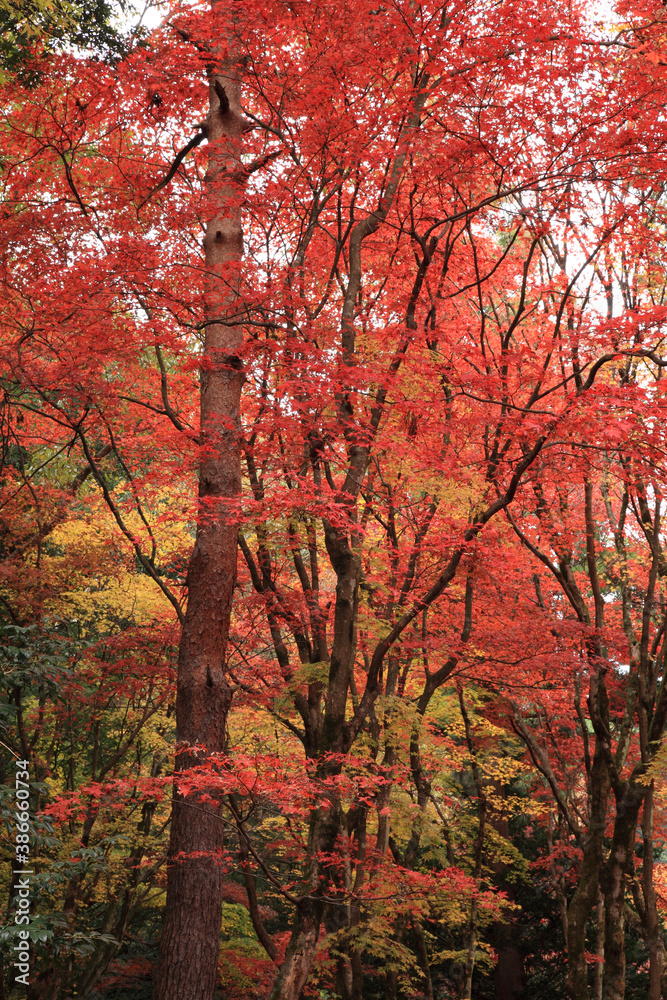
[413, 744]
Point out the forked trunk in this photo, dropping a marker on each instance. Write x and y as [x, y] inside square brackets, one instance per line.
[190, 937]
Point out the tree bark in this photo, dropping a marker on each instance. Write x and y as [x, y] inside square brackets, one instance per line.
[422, 957]
[625, 826]
[582, 902]
[325, 826]
[190, 937]
[509, 980]
[326, 820]
[295, 969]
[598, 971]
[652, 921]
[471, 944]
[586, 893]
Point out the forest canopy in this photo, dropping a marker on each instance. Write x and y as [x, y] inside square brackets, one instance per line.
[333, 573]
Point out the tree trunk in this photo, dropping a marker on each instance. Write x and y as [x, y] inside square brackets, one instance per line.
[598, 971]
[325, 826]
[326, 820]
[651, 922]
[190, 938]
[295, 970]
[508, 978]
[625, 826]
[580, 906]
[422, 957]
[471, 945]
[586, 893]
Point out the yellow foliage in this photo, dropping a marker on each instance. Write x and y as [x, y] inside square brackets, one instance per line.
[96, 579]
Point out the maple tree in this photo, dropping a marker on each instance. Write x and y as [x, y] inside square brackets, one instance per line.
[425, 332]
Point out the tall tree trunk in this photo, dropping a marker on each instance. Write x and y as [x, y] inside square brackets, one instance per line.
[190, 937]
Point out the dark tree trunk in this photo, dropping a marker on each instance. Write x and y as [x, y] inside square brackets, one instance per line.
[326, 821]
[598, 971]
[190, 937]
[296, 968]
[614, 883]
[652, 927]
[586, 893]
[471, 943]
[509, 977]
[582, 902]
[423, 959]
